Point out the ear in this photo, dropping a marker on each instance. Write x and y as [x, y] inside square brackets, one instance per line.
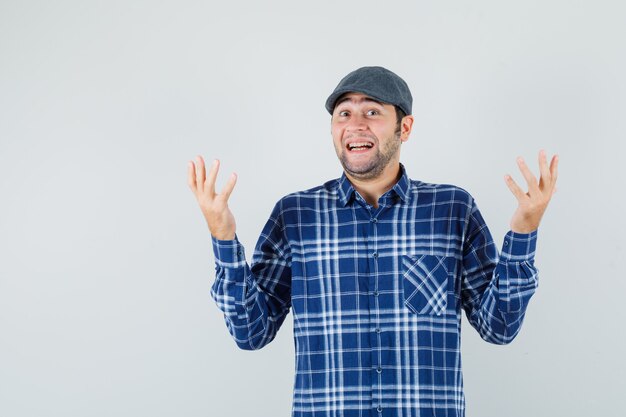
[405, 127]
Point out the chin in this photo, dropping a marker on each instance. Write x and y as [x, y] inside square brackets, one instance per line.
[365, 173]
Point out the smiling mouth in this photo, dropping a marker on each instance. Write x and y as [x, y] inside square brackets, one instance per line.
[359, 146]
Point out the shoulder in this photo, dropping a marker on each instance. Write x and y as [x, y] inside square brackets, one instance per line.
[301, 200]
[432, 193]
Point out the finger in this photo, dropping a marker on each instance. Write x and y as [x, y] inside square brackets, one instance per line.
[531, 180]
[554, 165]
[200, 172]
[191, 176]
[515, 189]
[545, 178]
[228, 188]
[210, 182]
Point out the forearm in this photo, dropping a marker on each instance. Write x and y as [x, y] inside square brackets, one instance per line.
[514, 279]
[237, 295]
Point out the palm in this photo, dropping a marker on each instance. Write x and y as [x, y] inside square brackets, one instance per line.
[532, 204]
[218, 215]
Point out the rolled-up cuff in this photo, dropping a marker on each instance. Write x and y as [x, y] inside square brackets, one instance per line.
[519, 246]
[228, 253]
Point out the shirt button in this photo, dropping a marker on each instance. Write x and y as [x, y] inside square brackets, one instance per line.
[379, 409]
[377, 330]
[238, 253]
[375, 255]
[374, 220]
[506, 243]
[379, 370]
[375, 293]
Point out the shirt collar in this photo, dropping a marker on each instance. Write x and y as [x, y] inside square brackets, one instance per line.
[401, 188]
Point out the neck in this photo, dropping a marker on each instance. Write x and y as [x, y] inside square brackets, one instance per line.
[372, 189]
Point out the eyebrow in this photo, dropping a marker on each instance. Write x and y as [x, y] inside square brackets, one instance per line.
[364, 99]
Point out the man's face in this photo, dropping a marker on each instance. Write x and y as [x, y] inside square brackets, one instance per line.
[364, 135]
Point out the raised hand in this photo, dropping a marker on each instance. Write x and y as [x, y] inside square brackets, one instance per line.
[533, 204]
[214, 206]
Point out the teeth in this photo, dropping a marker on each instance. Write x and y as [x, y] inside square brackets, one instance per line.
[360, 145]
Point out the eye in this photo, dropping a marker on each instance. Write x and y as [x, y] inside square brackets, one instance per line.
[372, 112]
[343, 113]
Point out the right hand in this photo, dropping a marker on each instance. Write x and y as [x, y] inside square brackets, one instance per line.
[214, 206]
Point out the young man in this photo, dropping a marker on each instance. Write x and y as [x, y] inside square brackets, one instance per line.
[376, 267]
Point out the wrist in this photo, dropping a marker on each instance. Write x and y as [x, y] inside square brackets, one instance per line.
[224, 235]
[523, 230]
[524, 226]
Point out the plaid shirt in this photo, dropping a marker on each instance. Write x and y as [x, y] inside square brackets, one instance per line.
[376, 294]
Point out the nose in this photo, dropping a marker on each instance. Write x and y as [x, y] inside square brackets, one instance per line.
[357, 122]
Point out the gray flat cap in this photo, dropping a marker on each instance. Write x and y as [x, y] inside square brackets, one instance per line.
[376, 82]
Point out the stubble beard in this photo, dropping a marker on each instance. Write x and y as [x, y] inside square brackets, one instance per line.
[376, 164]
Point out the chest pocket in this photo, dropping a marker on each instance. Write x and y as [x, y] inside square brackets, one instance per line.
[425, 281]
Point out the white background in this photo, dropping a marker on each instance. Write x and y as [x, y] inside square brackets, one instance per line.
[105, 258]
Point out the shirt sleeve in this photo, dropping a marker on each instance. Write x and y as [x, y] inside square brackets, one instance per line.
[496, 288]
[254, 299]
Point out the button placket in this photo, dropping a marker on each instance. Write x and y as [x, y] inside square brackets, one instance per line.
[375, 311]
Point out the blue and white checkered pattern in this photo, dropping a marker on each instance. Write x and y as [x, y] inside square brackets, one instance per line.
[376, 294]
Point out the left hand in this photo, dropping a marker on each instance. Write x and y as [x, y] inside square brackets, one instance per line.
[533, 204]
